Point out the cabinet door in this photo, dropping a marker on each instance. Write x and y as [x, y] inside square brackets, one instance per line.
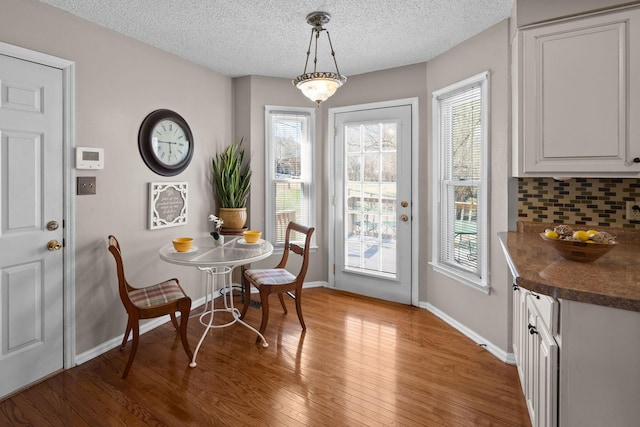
[547, 381]
[579, 97]
[531, 367]
[519, 330]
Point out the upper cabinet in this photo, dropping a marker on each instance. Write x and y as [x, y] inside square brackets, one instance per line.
[577, 97]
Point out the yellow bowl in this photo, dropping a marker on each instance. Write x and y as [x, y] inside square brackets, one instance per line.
[182, 244]
[252, 236]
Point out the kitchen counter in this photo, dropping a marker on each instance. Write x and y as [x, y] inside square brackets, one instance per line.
[612, 281]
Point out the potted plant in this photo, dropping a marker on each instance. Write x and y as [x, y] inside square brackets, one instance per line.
[232, 181]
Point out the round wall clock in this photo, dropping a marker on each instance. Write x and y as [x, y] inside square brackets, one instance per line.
[165, 142]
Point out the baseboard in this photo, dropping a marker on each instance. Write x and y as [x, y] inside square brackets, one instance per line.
[152, 324]
[478, 339]
[115, 342]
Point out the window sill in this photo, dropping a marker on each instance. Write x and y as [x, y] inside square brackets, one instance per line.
[460, 276]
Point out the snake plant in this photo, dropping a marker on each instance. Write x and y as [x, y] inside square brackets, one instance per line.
[231, 176]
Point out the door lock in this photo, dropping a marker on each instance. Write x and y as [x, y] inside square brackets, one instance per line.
[404, 218]
[52, 225]
[54, 245]
[404, 203]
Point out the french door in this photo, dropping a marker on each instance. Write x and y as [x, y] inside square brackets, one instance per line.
[373, 202]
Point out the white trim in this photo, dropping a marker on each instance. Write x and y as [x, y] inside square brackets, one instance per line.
[470, 333]
[69, 188]
[483, 283]
[415, 223]
[268, 163]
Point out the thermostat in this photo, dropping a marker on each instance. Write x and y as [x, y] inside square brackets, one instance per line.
[89, 158]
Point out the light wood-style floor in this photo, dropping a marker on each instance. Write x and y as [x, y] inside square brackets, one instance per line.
[361, 362]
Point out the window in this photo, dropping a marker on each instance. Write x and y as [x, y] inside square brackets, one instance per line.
[460, 140]
[289, 148]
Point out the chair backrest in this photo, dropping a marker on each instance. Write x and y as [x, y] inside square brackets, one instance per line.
[297, 249]
[123, 285]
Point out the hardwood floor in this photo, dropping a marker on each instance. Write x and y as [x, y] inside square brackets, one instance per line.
[361, 362]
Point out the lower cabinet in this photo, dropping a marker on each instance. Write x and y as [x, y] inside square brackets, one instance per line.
[536, 354]
[579, 363]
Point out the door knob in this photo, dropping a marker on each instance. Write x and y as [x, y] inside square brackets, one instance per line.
[54, 245]
[404, 203]
[404, 218]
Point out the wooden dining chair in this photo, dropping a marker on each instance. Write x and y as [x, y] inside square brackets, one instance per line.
[279, 280]
[153, 301]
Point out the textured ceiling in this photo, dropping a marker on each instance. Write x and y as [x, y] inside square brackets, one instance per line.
[270, 37]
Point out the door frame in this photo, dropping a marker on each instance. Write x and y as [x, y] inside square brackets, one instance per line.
[68, 187]
[331, 112]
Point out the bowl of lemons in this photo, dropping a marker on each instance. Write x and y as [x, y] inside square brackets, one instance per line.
[579, 245]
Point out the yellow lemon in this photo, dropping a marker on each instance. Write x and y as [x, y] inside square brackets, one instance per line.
[591, 232]
[550, 234]
[581, 235]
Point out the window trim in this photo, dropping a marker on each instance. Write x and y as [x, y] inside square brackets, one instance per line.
[269, 199]
[481, 283]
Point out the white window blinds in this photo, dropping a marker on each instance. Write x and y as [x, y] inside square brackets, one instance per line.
[289, 170]
[460, 117]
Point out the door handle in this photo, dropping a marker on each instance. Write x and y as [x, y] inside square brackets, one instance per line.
[54, 245]
[404, 218]
[404, 203]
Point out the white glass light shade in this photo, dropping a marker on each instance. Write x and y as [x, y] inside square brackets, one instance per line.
[318, 87]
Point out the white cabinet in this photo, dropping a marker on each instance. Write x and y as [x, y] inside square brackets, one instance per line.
[577, 97]
[536, 353]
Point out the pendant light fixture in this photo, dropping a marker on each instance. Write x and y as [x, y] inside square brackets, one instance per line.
[318, 86]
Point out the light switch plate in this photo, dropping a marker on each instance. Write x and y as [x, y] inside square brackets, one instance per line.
[86, 185]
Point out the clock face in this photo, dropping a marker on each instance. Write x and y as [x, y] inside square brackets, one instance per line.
[169, 142]
[165, 142]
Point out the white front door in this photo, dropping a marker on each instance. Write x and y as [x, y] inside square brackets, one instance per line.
[31, 215]
[373, 204]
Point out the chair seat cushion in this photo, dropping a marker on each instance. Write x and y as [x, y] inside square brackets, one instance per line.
[272, 276]
[159, 294]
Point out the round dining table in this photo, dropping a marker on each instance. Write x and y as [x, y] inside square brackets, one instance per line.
[219, 261]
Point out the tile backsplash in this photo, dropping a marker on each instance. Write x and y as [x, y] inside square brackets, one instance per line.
[588, 201]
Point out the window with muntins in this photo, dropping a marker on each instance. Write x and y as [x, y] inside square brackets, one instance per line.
[460, 139]
[289, 148]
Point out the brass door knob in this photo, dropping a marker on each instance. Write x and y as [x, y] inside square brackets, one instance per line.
[54, 245]
[404, 218]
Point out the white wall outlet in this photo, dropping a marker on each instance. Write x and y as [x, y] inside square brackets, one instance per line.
[633, 210]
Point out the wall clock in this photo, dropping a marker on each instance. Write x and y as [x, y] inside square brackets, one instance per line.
[165, 142]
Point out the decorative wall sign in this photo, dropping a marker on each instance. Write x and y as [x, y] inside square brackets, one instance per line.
[167, 204]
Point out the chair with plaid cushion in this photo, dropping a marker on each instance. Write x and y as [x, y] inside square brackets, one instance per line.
[278, 280]
[146, 303]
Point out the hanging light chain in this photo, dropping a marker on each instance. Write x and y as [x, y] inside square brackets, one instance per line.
[333, 53]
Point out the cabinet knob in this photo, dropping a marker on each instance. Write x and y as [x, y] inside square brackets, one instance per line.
[515, 287]
[636, 160]
[532, 329]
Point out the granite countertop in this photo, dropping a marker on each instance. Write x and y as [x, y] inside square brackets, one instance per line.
[612, 280]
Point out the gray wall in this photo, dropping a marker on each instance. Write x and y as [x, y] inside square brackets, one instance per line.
[487, 315]
[118, 82]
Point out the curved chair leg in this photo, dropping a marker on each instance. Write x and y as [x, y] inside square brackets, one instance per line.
[174, 321]
[264, 299]
[126, 334]
[284, 307]
[134, 347]
[185, 308]
[299, 310]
